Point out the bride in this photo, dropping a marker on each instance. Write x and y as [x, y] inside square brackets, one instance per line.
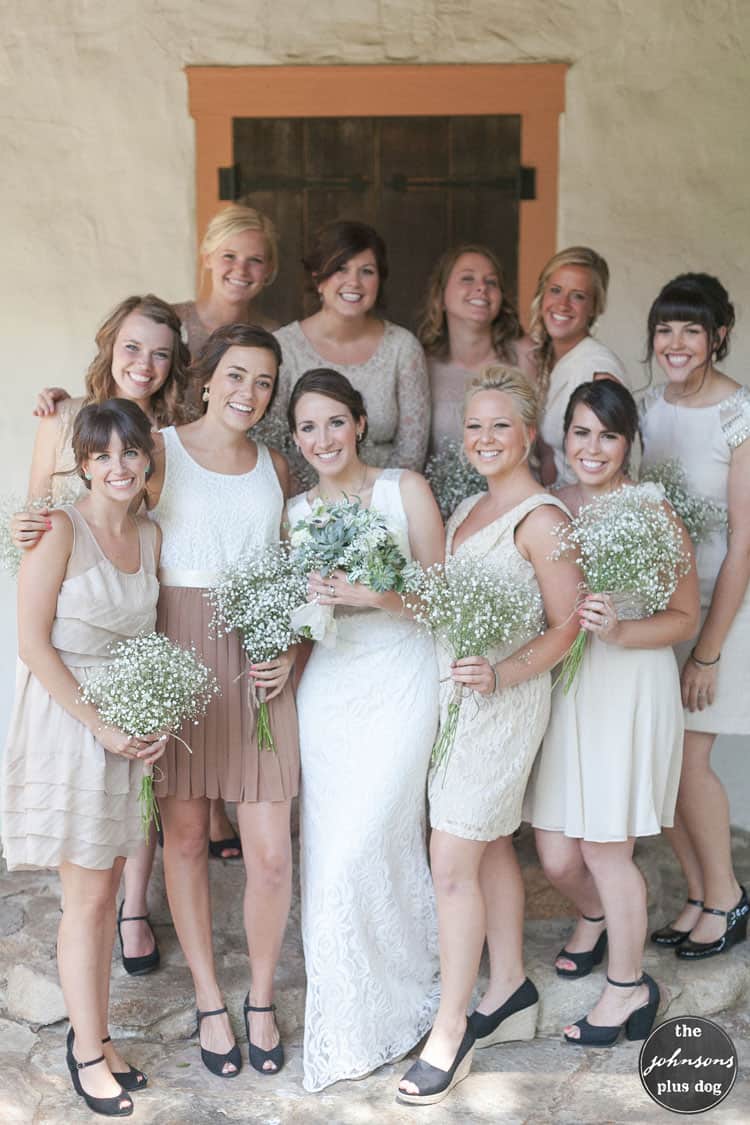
[368, 711]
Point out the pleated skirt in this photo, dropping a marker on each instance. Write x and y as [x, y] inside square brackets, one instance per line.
[225, 760]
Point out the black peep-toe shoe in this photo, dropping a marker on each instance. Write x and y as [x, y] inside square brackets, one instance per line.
[735, 932]
[258, 1055]
[637, 1025]
[586, 961]
[131, 1079]
[214, 1061]
[670, 937]
[137, 966]
[433, 1083]
[121, 1105]
[515, 1019]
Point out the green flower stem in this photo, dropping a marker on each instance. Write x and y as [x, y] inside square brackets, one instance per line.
[572, 662]
[265, 735]
[147, 804]
[442, 749]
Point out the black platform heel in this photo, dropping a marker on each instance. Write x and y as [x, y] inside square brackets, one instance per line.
[670, 937]
[637, 1025]
[586, 961]
[131, 1079]
[735, 932]
[433, 1083]
[137, 966]
[513, 1020]
[107, 1107]
[258, 1055]
[212, 1060]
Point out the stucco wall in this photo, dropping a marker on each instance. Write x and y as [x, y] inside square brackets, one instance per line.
[96, 144]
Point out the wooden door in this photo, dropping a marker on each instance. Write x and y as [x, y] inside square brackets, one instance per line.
[425, 183]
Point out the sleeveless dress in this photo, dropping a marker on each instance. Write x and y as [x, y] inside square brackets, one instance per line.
[368, 717]
[66, 798]
[609, 767]
[702, 439]
[208, 521]
[478, 794]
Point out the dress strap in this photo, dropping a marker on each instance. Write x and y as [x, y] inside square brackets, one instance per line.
[538, 500]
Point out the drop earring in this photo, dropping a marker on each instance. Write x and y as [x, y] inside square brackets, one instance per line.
[87, 476]
[204, 396]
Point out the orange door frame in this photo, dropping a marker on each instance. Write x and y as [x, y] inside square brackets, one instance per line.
[535, 91]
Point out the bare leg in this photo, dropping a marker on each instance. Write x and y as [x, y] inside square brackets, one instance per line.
[503, 893]
[566, 869]
[138, 937]
[82, 946]
[704, 810]
[688, 860]
[623, 893]
[186, 874]
[267, 851]
[461, 920]
[221, 827]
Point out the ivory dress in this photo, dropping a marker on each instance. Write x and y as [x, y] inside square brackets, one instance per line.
[368, 717]
[208, 521]
[66, 798]
[609, 767]
[703, 440]
[479, 793]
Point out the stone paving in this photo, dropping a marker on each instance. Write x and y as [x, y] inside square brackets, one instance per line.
[545, 1082]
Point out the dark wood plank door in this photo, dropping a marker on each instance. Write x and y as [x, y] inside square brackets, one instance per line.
[425, 183]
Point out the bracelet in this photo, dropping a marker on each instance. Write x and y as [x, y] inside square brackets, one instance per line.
[703, 663]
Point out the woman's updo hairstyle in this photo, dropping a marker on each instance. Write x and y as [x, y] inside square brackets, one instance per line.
[512, 382]
[331, 384]
[234, 219]
[337, 242]
[219, 342]
[694, 298]
[95, 424]
[613, 405]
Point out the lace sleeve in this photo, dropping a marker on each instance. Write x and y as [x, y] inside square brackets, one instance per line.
[735, 417]
[413, 392]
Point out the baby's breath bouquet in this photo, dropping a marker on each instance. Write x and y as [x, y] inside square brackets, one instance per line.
[629, 546]
[471, 609]
[257, 596]
[344, 536]
[151, 685]
[700, 515]
[10, 554]
[452, 478]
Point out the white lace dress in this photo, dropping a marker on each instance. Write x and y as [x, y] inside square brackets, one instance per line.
[368, 717]
[479, 793]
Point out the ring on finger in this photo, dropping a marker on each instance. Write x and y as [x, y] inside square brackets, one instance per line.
[332, 590]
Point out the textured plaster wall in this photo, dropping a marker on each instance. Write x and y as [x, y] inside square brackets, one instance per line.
[96, 152]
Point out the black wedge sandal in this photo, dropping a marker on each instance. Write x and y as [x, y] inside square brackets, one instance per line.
[258, 1055]
[433, 1083]
[121, 1105]
[735, 932]
[137, 966]
[513, 1020]
[214, 1061]
[586, 961]
[670, 937]
[637, 1025]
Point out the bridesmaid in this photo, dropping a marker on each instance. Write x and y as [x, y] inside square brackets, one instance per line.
[609, 767]
[468, 321]
[571, 295]
[475, 801]
[702, 418]
[70, 793]
[218, 495]
[368, 715]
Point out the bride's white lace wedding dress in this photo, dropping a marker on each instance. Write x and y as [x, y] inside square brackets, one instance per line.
[368, 712]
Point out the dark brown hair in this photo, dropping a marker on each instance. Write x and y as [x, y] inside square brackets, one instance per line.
[95, 424]
[695, 298]
[337, 242]
[219, 342]
[332, 384]
[613, 405]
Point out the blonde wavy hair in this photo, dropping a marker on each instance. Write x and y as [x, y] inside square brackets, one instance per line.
[433, 326]
[234, 219]
[586, 258]
[512, 382]
[168, 405]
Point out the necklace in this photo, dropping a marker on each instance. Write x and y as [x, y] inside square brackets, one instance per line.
[356, 492]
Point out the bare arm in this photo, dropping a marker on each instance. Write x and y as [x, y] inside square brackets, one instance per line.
[47, 400]
[29, 526]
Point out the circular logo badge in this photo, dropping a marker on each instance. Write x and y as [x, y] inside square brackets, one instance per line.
[688, 1064]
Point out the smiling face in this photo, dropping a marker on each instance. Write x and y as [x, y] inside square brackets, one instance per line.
[241, 386]
[352, 289]
[596, 454]
[141, 357]
[683, 352]
[239, 267]
[568, 306]
[496, 440]
[472, 291]
[326, 433]
[117, 472]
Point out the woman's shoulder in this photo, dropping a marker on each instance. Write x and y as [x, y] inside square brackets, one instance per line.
[400, 338]
[734, 414]
[184, 308]
[591, 356]
[287, 332]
